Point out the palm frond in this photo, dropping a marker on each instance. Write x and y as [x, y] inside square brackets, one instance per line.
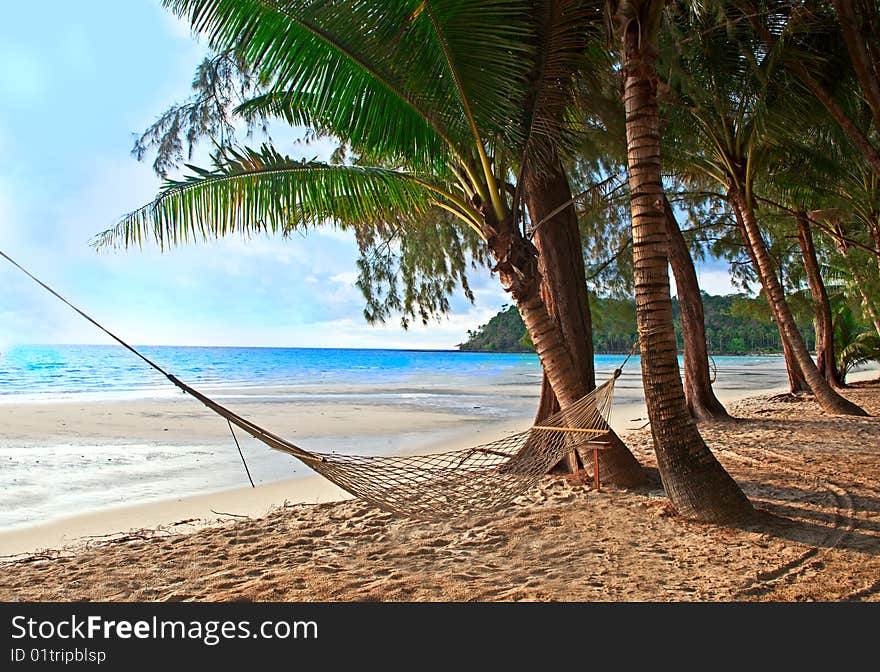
[483, 48]
[420, 77]
[335, 57]
[865, 348]
[261, 191]
[569, 65]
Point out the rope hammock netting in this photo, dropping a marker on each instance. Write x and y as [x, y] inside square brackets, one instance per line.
[436, 485]
[454, 483]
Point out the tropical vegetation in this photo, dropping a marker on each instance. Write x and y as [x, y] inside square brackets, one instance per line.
[735, 324]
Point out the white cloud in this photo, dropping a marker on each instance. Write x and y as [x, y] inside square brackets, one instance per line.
[349, 332]
[716, 282]
[335, 233]
[348, 278]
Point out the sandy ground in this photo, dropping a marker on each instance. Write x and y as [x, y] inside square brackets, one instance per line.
[814, 478]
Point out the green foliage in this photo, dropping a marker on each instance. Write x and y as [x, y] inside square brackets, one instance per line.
[735, 325]
[854, 342]
[412, 269]
[439, 108]
[863, 349]
[221, 83]
[262, 191]
[503, 333]
[614, 324]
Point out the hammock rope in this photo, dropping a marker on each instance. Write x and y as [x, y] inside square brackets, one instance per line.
[483, 478]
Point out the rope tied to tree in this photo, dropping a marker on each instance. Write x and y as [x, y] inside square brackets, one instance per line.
[619, 370]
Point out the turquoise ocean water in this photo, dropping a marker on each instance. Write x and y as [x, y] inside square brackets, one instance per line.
[46, 371]
[42, 373]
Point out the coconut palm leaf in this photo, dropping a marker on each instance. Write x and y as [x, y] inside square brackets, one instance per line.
[863, 349]
[423, 74]
[261, 191]
[304, 46]
[569, 65]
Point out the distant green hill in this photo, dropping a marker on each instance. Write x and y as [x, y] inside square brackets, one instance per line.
[503, 333]
[736, 324]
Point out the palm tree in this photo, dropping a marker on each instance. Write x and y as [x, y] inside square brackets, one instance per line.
[701, 400]
[836, 192]
[863, 348]
[707, 492]
[826, 361]
[564, 289]
[729, 90]
[835, 58]
[601, 157]
[448, 107]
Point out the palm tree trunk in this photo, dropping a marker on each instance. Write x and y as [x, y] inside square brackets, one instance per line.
[857, 34]
[546, 336]
[701, 400]
[825, 360]
[564, 290]
[829, 400]
[696, 483]
[797, 384]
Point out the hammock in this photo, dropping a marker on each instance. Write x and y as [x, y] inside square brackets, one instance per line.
[453, 483]
[436, 485]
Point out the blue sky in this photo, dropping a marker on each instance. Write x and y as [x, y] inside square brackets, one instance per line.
[72, 93]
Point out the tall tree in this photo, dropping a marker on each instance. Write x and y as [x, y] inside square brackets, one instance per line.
[602, 156]
[730, 89]
[557, 238]
[694, 480]
[701, 400]
[825, 357]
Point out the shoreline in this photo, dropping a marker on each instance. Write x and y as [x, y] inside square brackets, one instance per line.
[438, 432]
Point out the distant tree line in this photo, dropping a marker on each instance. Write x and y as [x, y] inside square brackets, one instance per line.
[736, 324]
